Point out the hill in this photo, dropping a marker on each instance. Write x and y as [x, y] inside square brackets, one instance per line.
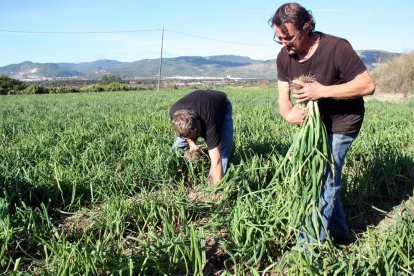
[372, 58]
[190, 66]
[396, 76]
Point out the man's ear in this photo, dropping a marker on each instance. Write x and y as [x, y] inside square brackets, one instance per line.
[306, 27]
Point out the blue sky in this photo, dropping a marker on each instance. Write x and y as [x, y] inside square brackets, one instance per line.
[127, 30]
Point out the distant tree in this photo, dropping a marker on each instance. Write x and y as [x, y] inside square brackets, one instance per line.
[35, 89]
[92, 88]
[63, 89]
[10, 86]
[108, 79]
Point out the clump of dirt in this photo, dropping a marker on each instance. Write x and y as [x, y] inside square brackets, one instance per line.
[75, 225]
[194, 194]
[215, 256]
[295, 84]
[196, 155]
[197, 194]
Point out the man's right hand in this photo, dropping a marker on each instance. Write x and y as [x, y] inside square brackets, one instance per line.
[193, 146]
[295, 116]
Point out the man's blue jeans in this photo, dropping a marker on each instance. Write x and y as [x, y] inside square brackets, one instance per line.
[226, 138]
[332, 216]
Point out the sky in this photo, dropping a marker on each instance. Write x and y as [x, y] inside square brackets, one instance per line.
[130, 30]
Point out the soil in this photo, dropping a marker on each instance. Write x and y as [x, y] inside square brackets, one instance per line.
[197, 194]
[388, 97]
[75, 225]
[381, 220]
[215, 256]
[391, 216]
[196, 155]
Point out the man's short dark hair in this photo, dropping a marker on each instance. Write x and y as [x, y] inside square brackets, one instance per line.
[184, 122]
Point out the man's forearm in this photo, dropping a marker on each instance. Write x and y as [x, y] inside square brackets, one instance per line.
[216, 169]
[216, 173]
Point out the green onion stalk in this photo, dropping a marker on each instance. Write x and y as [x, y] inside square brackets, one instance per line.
[301, 171]
[266, 222]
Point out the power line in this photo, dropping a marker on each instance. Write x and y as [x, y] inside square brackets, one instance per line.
[77, 32]
[132, 31]
[218, 40]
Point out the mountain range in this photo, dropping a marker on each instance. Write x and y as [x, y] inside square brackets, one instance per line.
[184, 66]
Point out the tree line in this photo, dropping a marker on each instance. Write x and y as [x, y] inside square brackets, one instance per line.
[10, 86]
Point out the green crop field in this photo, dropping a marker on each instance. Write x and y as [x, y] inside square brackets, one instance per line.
[89, 186]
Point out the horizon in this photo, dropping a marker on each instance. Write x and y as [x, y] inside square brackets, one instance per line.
[92, 61]
[127, 31]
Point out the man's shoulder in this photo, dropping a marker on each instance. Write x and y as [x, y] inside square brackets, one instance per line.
[331, 39]
[211, 92]
[213, 95]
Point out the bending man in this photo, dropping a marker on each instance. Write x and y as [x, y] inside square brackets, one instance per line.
[206, 114]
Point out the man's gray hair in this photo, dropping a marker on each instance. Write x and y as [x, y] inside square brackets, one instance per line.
[184, 122]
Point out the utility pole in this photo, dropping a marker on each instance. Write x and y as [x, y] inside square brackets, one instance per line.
[160, 67]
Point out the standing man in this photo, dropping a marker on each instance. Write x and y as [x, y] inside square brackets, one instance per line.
[206, 114]
[341, 82]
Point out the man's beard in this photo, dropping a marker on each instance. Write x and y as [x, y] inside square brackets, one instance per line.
[293, 55]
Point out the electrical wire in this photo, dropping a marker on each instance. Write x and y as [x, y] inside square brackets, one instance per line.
[131, 31]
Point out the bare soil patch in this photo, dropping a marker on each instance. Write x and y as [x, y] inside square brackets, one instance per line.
[389, 97]
[395, 213]
[75, 225]
[196, 155]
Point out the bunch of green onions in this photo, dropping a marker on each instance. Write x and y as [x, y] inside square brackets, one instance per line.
[302, 169]
[264, 223]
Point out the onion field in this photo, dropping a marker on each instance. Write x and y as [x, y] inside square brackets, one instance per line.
[89, 186]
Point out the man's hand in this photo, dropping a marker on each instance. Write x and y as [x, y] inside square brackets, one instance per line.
[193, 146]
[308, 91]
[295, 115]
[292, 114]
[216, 196]
[362, 85]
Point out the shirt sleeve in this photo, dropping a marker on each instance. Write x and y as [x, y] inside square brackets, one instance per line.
[281, 65]
[347, 61]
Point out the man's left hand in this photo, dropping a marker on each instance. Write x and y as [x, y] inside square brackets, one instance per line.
[308, 92]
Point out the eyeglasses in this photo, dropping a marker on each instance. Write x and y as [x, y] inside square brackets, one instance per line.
[286, 40]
